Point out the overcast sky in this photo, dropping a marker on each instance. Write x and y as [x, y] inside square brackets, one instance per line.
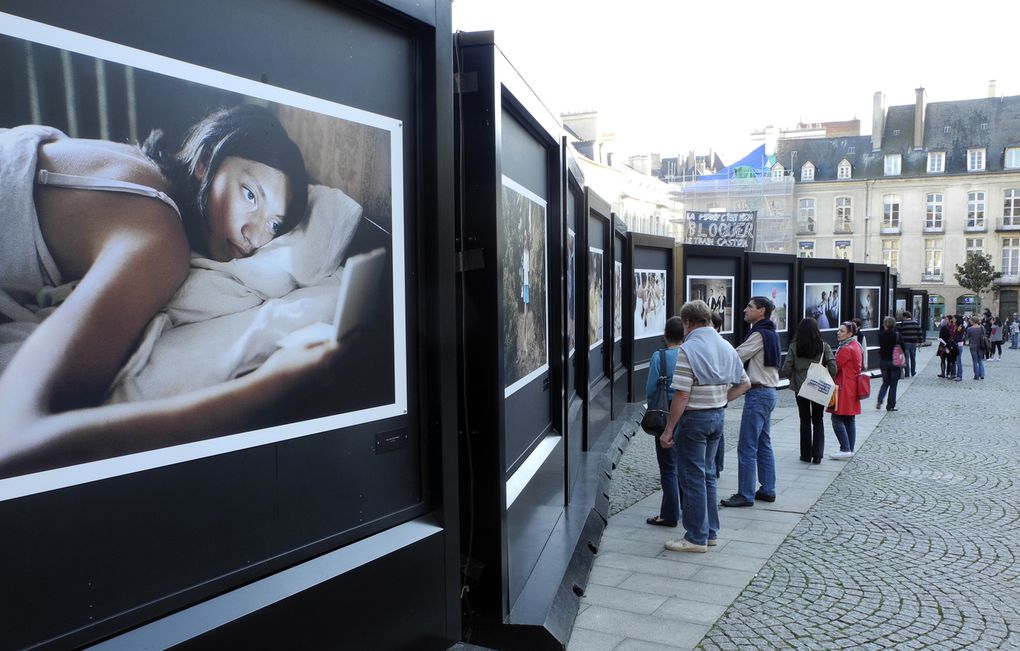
[673, 75]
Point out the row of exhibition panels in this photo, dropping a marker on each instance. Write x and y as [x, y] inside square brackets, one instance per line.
[452, 481]
[564, 308]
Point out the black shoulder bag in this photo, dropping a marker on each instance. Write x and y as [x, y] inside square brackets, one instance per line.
[657, 413]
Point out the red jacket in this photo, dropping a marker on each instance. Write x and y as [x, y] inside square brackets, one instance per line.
[848, 364]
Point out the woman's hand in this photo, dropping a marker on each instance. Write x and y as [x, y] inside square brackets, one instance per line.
[302, 363]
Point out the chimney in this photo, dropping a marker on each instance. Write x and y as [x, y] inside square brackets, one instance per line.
[877, 120]
[991, 88]
[919, 118]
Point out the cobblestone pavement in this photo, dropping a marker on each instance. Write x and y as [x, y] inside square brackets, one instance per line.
[915, 545]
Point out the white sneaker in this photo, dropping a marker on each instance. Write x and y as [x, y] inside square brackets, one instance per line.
[841, 455]
[684, 545]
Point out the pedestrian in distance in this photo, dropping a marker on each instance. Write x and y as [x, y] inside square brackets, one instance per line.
[995, 338]
[888, 339]
[945, 339]
[975, 340]
[959, 334]
[848, 405]
[912, 335]
[808, 348]
[672, 495]
[1014, 331]
[756, 462]
[708, 375]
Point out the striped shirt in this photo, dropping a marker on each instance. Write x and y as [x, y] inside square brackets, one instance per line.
[702, 396]
[910, 330]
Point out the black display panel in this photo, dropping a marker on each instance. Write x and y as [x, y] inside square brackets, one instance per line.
[168, 526]
[819, 281]
[775, 277]
[713, 274]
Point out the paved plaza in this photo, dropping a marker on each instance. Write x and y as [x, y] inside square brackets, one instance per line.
[910, 545]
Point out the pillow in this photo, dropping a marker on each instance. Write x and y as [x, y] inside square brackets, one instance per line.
[305, 256]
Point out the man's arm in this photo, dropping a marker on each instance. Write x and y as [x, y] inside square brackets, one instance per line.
[751, 347]
[676, 410]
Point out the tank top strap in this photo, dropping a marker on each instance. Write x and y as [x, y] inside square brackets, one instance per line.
[72, 181]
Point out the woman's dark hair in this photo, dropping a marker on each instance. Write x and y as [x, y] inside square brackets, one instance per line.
[674, 330]
[246, 131]
[808, 338]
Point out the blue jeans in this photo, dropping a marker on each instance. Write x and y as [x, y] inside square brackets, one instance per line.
[910, 352]
[890, 378]
[845, 428]
[698, 435]
[1013, 340]
[672, 496]
[977, 359]
[755, 461]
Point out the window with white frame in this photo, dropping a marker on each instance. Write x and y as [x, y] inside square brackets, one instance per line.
[976, 160]
[841, 249]
[844, 171]
[851, 150]
[778, 171]
[844, 214]
[933, 211]
[807, 172]
[975, 209]
[975, 246]
[933, 256]
[891, 253]
[936, 162]
[1012, 161]
[806, 215]
[1011, 207]
[893, 164]
[891, 211]
[1010, 256]
[806, 249]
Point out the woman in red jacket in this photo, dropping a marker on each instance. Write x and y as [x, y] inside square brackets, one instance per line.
[848, 365]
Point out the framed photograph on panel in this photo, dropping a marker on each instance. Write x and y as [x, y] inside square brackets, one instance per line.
[649, 303]
[525, 332]
[717, 291]
[189, 290]
[617, 300]
[822, 303]
[595, 297]
[777, 292]
[571, 300]
[867, 306]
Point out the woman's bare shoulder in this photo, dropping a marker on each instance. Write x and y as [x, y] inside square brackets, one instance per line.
[101, 159]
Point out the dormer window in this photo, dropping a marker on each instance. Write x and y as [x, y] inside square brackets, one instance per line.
[807, 172]
[1012, 160]
[936, 162]
[844, 171]
[947, 129]
[893, 164]
[851, 150]
[976, 160]
[778, 171]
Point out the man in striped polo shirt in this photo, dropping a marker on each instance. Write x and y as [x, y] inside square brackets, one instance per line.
[708, 374]
[912, 335]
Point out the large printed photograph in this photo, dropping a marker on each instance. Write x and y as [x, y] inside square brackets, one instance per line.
[617, 300]
[868, 306]
[822, 303]
[717, 291]
[192, 263]
[571, 298]
[524, 286]
[776, 291]
[595, 298]
[649, 303]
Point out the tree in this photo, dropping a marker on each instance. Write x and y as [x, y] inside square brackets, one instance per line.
[977, 274]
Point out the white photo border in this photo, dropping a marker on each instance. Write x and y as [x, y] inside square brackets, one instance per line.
[733, 289]
[598, 342]
[878, 321]
[67, 476]
[775, 280]
[665, 281]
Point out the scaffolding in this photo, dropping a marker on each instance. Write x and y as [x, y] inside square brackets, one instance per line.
[768, 193]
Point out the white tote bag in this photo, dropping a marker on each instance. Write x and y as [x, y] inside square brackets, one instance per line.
[819, 385]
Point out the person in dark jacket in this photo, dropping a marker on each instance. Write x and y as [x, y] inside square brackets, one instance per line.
[945, 339]
[912, 335]
[888, 339]
[808, 348]
[672, 495]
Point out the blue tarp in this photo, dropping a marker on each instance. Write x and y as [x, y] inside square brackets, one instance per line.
[754, 164]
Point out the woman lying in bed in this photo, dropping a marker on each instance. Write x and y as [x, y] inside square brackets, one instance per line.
[124, 222]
